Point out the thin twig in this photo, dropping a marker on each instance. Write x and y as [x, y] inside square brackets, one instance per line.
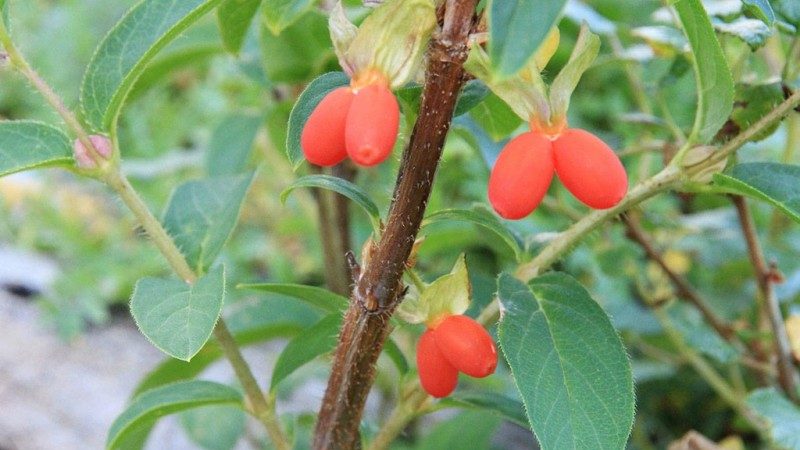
[765, 274]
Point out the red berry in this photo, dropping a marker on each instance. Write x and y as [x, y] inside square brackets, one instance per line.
[521, 175]
[437, 376]
[467, 345]
[372, 125]
[323, 135]
[589, 169]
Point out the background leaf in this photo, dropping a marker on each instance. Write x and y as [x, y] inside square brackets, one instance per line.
[150, 406]
[231, 144]
[517, 28]
[509, 408]
[761, 10]
[214, 427]
[202, 214]
[341, 186]
[176, 317]
[714, 81]
[782, 415]
[314, 341]
[568, 363]
[234, 18]
[125, 51]
[314, 296]
[279, 14]
[471, 430]
[481, 217]
[308, 100]
[771, 182]
[28, 145]
[301, 52]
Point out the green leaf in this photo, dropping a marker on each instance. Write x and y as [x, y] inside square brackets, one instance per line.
[126, 50]
[301, 52]
[168, 62]
[753, 32]
[234, 18]
[714, 81]
[231, 144]
[698, 334]
[343, 187]
[517, 28]
[202, 214]
[782, 415]
[150, 406]
[469, 430]
[754, 101]
[214, 427]
[472, 94]
[176, 317]
[318, 297]
[771, 182]
[314, 341]
[306, 103]
[788, 9]
[496, 117]
[761, 10]
[279, 14]
[448, 295]
[28, 145]
[509, 408]
[4, 13]
[481, 217]
[568, 363]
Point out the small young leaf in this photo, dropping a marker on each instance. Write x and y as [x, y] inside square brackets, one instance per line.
[782, 415]
[568, 363]
[279, 14]
[316, 340]
[306, 103]
[318, 297]
[126, 50]
[517, 28]
[341, 186]
[234, 18]
[231, 143]
[771, 182]
[714, 81]
[28, 145]
[481, 217]
[509, 408]
[202, 214]
[150, 406]
[176, 317]
[214, 427]
[448, 295]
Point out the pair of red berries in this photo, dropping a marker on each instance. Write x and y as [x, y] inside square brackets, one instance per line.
[360, 120]
[587, 167]
[456, 344]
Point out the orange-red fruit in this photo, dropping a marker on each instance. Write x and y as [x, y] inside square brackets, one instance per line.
[521, 175]
[372, 124]
[467, 345]
[589, 169]
[437, 376]
[323, 138]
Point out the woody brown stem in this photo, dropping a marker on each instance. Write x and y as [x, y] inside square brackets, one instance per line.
[378, 291]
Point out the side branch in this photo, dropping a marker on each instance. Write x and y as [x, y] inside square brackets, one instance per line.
[378, 290]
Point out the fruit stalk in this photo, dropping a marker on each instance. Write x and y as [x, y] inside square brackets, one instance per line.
[378, 291]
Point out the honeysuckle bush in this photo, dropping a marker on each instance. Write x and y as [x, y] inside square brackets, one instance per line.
[651, 292]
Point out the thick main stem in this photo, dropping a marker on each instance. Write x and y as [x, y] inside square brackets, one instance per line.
[378, 290]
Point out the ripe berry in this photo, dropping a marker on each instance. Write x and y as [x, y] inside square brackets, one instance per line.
[466, 345]
[372, 125]
[437, 376]
[589, 169]
[323, 135]
[521, 175]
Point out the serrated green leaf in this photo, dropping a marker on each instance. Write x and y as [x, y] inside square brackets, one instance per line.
[314, 341]
[279, 14]
[771, 182]
[509, 408]
[306, 103]
[714, 81]
[202, 214]
[150, 406]
[517, 28]
[176, 317]
[234, 18]
[782, 415]
[301, 52]
[126, 50]
[568, 363]
[26, 145]
[469, 430]
[231, 144]
[318, 297]
[214, 427]
[761, 10]
[343, 187]
[481, 217]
